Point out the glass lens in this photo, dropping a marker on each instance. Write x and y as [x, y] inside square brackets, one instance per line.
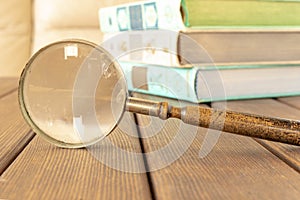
[72, 93]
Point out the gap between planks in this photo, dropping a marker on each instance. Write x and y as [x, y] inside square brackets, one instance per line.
[14, 132]
[284, 108]
[238, 167]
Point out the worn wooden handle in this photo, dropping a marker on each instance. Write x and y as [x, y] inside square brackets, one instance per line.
[275, 129]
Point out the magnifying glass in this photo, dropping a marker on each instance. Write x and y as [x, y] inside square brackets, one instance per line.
[73, 93]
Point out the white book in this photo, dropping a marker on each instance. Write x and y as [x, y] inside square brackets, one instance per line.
[142, 15]
[153, 46]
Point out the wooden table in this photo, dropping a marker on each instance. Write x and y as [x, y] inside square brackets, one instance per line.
[237, 167]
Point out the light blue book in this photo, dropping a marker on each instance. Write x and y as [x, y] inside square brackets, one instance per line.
[213, 83]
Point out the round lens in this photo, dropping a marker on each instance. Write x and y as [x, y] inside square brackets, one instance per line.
[72, 93]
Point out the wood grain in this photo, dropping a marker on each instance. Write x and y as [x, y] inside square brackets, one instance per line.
[14, 132]
[290, 154]
[8, 85]
[44, 171]
[236, 168]
[291, 101]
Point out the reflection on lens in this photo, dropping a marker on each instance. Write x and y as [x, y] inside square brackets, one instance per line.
[70, 93]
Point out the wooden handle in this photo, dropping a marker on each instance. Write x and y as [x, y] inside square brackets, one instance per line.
[274, 129]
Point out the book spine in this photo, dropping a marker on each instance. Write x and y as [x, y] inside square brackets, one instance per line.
[143, 15]
[177, 83]
[158, 47]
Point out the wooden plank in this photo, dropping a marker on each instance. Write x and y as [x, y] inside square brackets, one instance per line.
[237, 168]
[7, 85]
[44, 171]
[290, 154]
[291, 101]
[14, 132]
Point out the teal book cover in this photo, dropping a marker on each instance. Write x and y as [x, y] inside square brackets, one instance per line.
[213, 83]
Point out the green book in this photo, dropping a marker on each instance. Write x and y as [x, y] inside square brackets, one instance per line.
[156, 14]
[242, 31]
[242, 13]
[213, 83]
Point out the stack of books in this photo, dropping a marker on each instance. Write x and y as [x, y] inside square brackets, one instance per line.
[202, 51]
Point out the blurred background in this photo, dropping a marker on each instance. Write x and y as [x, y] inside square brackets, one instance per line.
[28, 25]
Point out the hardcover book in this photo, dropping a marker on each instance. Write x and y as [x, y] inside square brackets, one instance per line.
[142, 15]
[231, 31]
[213, 83]
[175, 14]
